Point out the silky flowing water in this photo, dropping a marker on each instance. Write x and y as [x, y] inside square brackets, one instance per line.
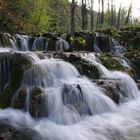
[74, 107]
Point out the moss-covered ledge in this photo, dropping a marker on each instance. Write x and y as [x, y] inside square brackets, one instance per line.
[12, 64]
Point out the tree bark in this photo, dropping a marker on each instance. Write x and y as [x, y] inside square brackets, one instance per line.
[102, 15]
[72, 23]
[92, 16]
[84, 16]
[119, 19]
[128, 15]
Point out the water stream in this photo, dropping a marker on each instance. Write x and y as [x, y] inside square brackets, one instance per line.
[72, 106]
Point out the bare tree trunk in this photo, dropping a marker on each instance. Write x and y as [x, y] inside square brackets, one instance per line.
[92, 16]
[108, 12]
[84, 14]
[98, 16]
[72, 23]
[102, 14]
[119, 18]
[112, 13]
[128, 15]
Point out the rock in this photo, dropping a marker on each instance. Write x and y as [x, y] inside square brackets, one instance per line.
[20, 97]
[111, 89]
[138, 84]
[7, 132]
[104, 43]
[83, 67]
[4, 39]
[36, 102]
[134, 58]
[111, 63]
[12, 67]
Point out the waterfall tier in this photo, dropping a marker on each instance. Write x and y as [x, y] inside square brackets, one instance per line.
[67, 96]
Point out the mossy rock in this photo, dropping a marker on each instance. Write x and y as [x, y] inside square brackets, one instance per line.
[4, 39]
[18, 63]
[88, 70]
[8, 132]
[36, 102]
[82, 66]
[111, 63]
[134, 58]
[19, 98]
[104, 43]
[110, 88]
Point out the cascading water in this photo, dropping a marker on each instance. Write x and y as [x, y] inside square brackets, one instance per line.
[69, 97]
[28, 43]
[128, 87]
[70, 106]
[103, 43]
[5, 72]
[62, 45]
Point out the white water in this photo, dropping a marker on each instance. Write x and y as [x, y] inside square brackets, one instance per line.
[62, 45]
[72, 99]
[128, 87]
[27, 43]
[69, 96]
[24, 40]
[3, 50]
[124, 124]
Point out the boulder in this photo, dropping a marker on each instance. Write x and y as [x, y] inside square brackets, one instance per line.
[12, 65]
[36, 102]
[110, 88]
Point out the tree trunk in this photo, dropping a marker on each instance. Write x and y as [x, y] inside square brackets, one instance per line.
[72, 23]
[108, 12]
[128, 15]
[112, 13]
[92, 16]
[119, 18]
[98, 16]
[102, 15]
[84, 16]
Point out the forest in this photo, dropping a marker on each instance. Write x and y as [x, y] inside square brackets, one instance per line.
[69, 70]
[33, 16]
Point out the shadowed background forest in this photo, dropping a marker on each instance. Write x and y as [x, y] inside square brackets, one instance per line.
[33, 16]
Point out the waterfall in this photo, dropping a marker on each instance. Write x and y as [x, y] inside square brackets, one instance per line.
[5, 72]
[61, 45]
[128, 87]
[55, 102]
[50, 42]
[29, 43]
[122, 124]
[103, 43]
[68, 97]
[21, 42]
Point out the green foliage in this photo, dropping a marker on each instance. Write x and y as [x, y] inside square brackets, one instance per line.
[111, 63]
[34, 15]
[81, 40]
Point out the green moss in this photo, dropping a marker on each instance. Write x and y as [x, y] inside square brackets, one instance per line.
[88, 70]
[84, 68]
[134, 58]
[19, 64]
[111, 63]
